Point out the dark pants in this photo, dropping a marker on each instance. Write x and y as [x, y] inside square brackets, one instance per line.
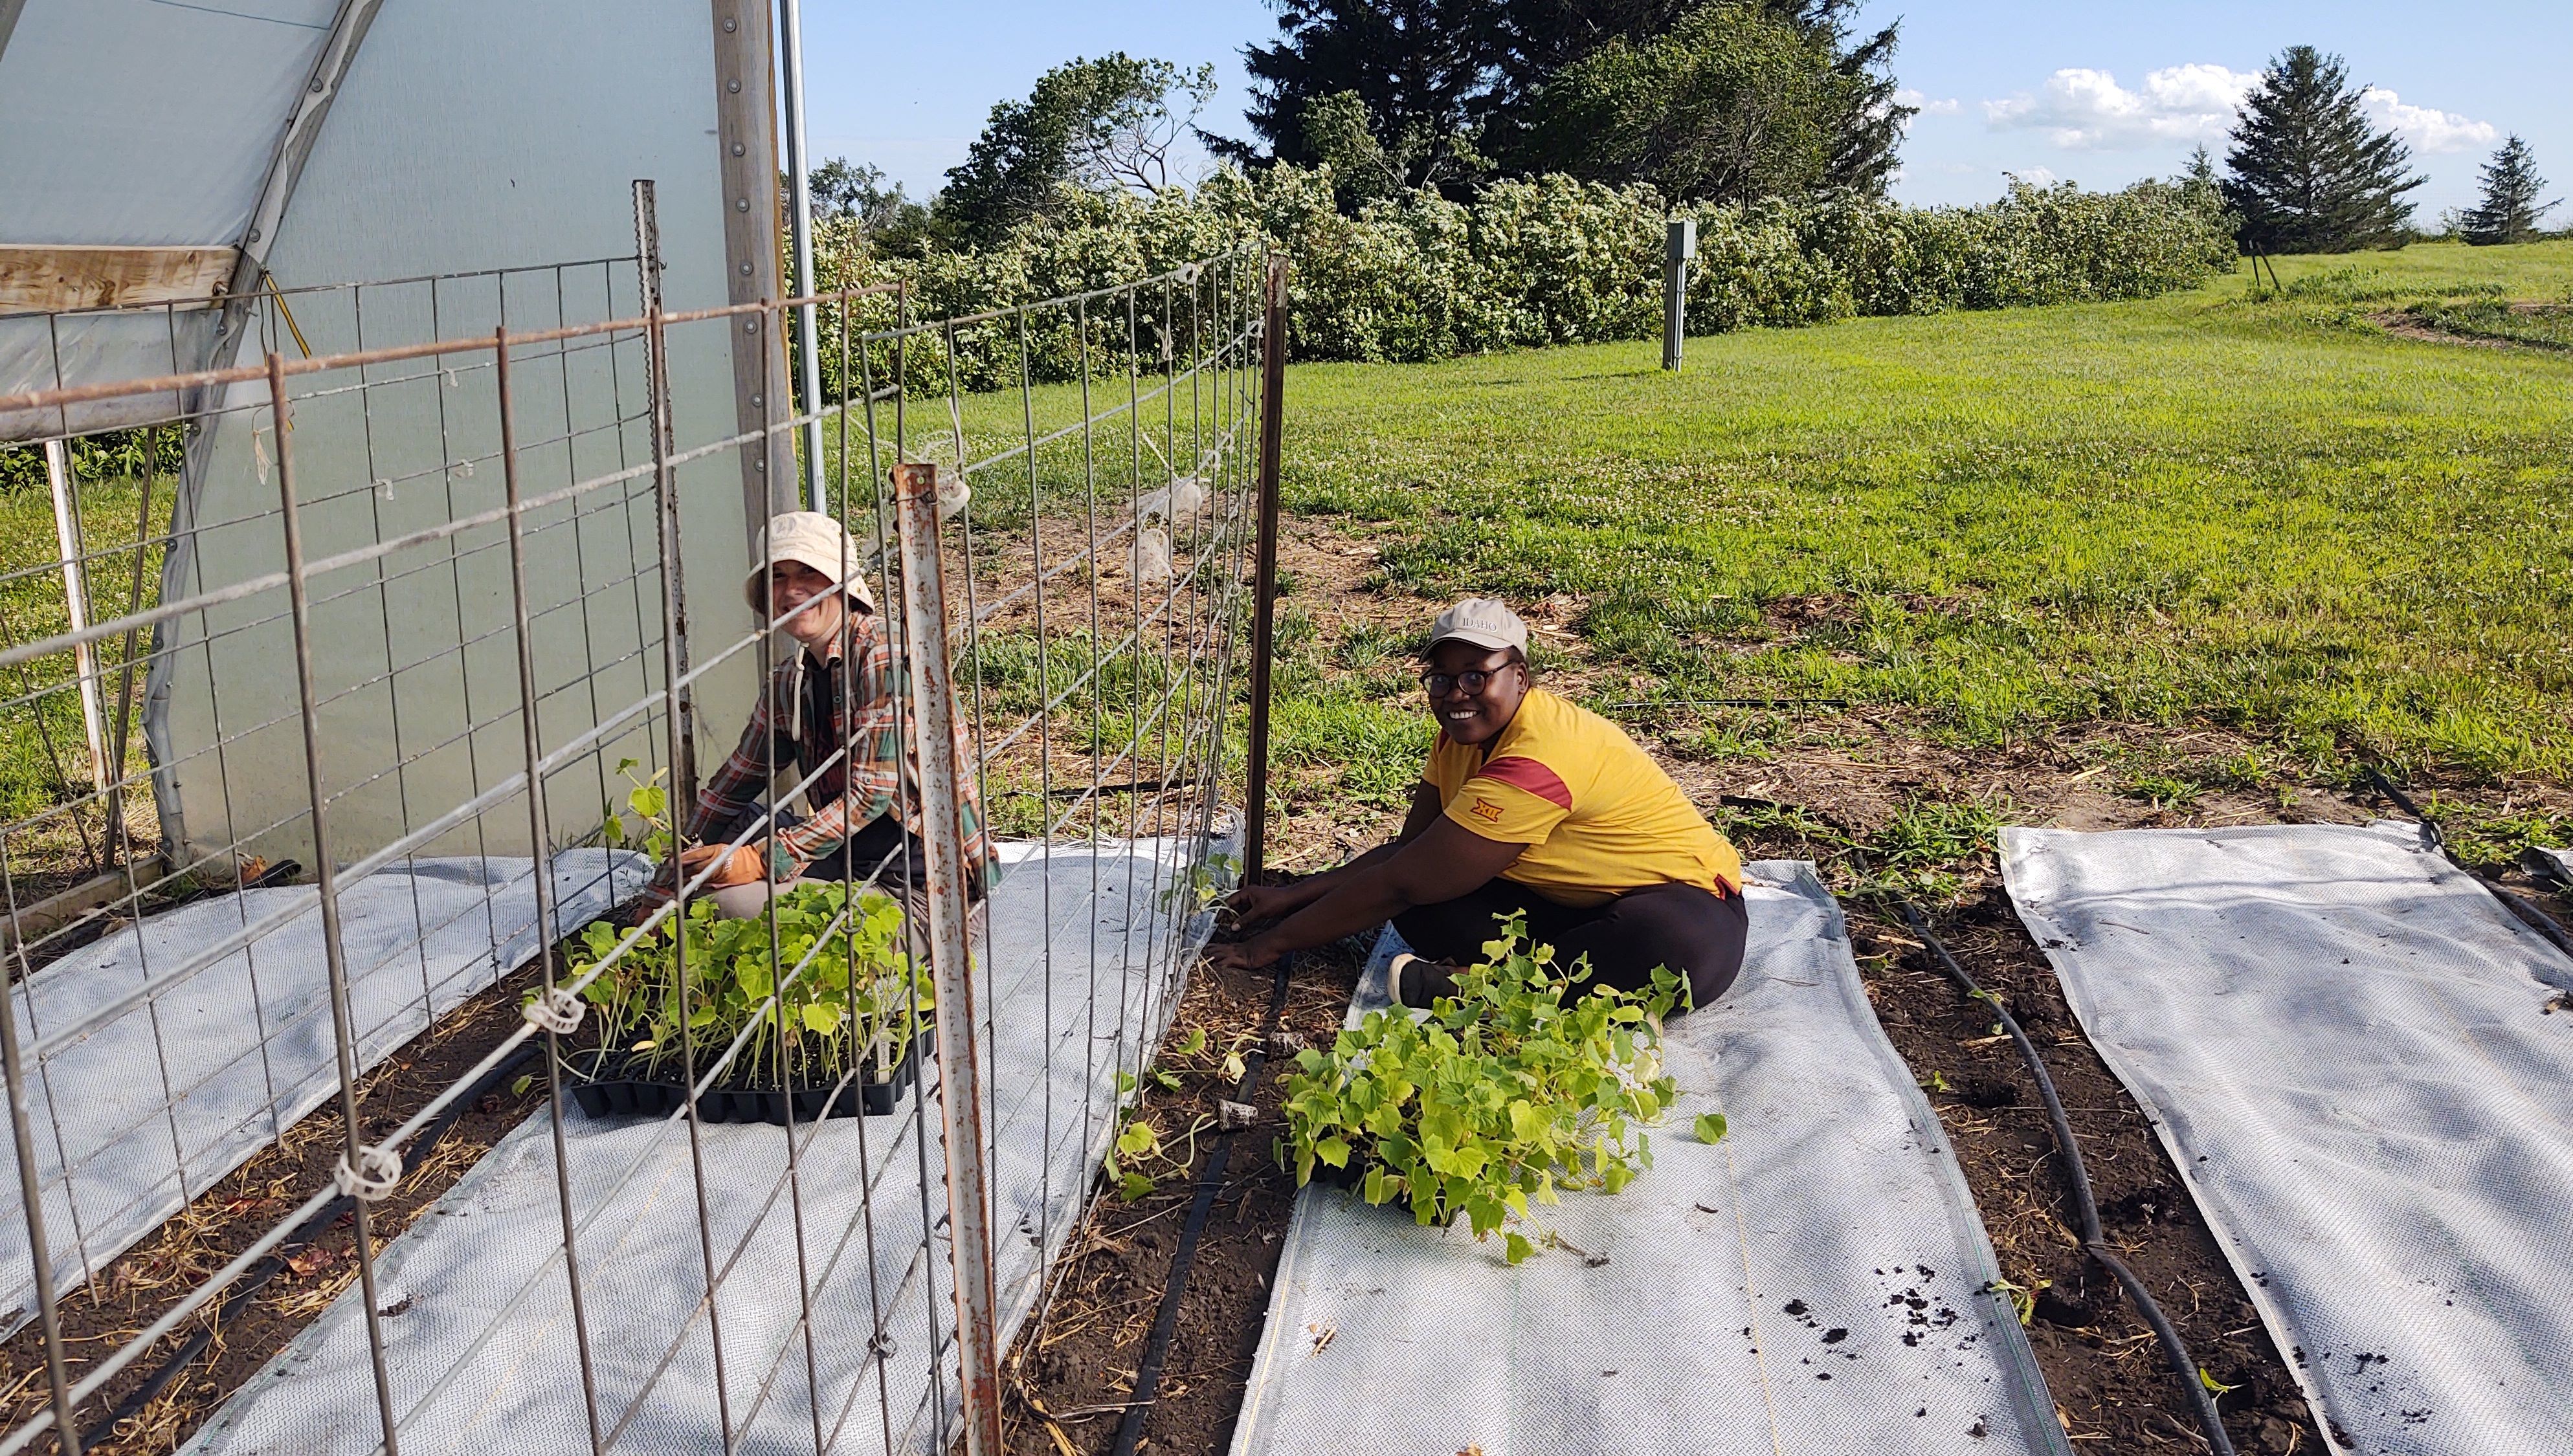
[1691, 932]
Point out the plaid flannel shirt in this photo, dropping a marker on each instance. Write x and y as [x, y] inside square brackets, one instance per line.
[803, 719]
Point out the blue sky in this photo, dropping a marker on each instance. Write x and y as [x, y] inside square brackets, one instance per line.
[2098, 92]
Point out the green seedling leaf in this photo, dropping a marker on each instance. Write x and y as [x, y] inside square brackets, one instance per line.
[1529, 1079]
[1233, 1067]
[518, 1088]
[1710, 1127]
[1133, 1187]
[1516, 1247]
[1192, 1043]
[2213, 1385]
[1138, 1139]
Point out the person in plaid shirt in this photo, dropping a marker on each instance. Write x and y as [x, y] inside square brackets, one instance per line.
[843, 689]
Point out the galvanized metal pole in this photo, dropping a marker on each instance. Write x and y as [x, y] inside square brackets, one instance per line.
[31, 1196]
[58, 475]
[808, 358]
[541, 836]
[665, 498]
[359, 1162]
[960, 1078]
[1681, 247]
[1263, 598]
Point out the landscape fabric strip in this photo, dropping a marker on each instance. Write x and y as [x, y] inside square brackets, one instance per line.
[132, 1125]
[2078, 1177]
[478, 1349]
[2548, 863]
[2355, 1058]
[1816, 1281]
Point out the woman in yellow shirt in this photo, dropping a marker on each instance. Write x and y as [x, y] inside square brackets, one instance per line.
[1528, 803]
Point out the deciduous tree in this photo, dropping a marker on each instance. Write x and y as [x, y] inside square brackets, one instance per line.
[1101, 124]
[1734, 104]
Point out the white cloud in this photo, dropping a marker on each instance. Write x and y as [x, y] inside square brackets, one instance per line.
[1921, 98]
[2034, 176]
[2083, 109]
[2423, 128]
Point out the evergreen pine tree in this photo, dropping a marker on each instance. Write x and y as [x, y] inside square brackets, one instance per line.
[2510, 210]
[2310, 174]
[1421, 68]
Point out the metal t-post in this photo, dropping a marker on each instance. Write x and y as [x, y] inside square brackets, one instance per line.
[960, 1077]
[1682, 246]
[800, 225]
[1263, 597]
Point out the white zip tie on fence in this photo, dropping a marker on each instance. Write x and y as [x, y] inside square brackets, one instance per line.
[378, 1171]
[953, 492]
[557, 1009]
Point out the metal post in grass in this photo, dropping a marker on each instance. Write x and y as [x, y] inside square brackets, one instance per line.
[960, 1078]
[1264, 597]
[1681, 247]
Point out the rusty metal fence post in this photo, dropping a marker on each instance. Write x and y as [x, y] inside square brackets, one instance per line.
[1263, 599]
[960, 1079]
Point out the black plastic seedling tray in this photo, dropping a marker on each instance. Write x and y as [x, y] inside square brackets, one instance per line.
[873, 1094]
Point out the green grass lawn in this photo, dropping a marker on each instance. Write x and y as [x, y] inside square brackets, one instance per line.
[2257, 512]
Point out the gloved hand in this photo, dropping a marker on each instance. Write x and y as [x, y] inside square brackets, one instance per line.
[742, 864]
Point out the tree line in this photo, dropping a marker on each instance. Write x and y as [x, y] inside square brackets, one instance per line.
[1708, 101]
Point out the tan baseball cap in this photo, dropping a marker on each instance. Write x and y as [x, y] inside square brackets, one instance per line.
[1483, 621]
[808, 539]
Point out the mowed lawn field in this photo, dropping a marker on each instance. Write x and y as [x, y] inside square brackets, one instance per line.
[2270, 520]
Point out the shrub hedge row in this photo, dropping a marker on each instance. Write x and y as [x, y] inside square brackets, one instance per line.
[1544, 261]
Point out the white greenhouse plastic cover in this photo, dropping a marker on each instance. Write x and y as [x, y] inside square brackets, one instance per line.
[147, 122]
[1816, 1283]
[386, 141]
[2346, 1043]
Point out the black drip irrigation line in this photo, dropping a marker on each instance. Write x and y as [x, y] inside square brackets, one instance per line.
[2534, 918]
[1165, 1321]
[2093, 1243]
[311, 1228]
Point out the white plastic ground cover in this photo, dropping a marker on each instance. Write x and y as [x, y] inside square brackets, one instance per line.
[477, 1318]
[1816, 1283]
[2343, 1039]
[164, 1099]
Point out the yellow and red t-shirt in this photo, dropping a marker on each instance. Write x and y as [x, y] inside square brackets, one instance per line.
[1598, 816]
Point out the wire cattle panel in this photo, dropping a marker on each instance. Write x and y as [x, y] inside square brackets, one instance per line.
[424, 619]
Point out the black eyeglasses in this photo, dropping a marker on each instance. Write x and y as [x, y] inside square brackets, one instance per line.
[1440, 684]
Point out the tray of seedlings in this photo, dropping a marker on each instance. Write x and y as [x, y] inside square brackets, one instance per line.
[840, 1037]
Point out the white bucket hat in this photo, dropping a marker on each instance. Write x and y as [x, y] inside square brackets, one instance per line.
[807, 538]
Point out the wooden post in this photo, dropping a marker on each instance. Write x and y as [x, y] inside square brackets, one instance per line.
[1263, 605]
